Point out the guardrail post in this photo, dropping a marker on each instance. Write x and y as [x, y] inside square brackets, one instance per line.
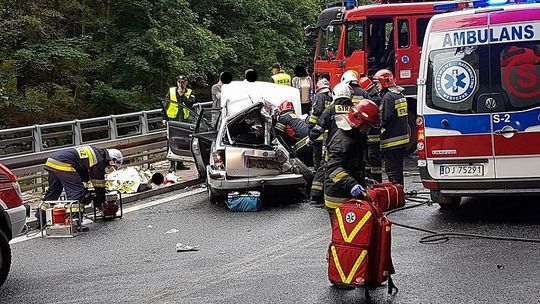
[113, 128]
[144, 123]
[38, 140]
[77, 136]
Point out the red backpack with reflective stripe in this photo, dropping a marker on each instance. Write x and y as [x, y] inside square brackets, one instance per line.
[359, 254]
[387, 196]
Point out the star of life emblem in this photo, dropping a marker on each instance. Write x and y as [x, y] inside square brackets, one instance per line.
[455, 81]
[350, 217]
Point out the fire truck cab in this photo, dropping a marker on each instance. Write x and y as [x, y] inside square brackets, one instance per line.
[479, 102]
[372, 37]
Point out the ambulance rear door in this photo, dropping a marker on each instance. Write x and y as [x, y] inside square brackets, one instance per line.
[458, 135]
[515, 74]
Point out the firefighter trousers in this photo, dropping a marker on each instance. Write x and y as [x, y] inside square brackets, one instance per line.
[375, 161]
[71, 182]
[393, 164]
[317, 148]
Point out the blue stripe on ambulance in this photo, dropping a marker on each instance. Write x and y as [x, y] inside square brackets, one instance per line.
[465, 124]
[518, 120]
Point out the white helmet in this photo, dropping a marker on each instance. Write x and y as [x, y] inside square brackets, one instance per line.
[115, 156]
[350, 76]
[342, 90]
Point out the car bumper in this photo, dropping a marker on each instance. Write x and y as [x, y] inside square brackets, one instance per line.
[217, 180]
[17, 219]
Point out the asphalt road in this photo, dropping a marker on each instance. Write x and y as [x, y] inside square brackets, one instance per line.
[276, 256]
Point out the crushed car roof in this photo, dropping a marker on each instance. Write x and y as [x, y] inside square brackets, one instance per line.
[239, 95]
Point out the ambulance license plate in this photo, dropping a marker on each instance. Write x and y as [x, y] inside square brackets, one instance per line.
[461, 170]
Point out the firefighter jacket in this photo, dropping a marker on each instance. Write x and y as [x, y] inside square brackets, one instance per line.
[326, 121]
[321, 101]
[293, 126]
[282, 78]
[394, 119]
[171, 108]
[87, 161]
[343, 167]
[358, 93]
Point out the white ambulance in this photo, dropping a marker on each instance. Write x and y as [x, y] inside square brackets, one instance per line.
[479, 102]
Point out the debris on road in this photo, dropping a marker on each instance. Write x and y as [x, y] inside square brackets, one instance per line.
[172, 231]
[184, 247]
[149, 226]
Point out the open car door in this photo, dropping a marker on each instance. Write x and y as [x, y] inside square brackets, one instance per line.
[179, 133]
[204, 136]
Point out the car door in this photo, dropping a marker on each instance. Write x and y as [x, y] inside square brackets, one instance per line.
[179, 133]
[204, 137]
[515, 70]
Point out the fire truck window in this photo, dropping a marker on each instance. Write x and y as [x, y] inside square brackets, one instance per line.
[421, 25]
[403, 38]
[329, 42]
[519, 67]
[355, 37]
[456, 77]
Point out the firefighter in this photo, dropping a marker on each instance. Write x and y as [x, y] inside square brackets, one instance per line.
[293, 127]
[351, 77]
[321, 101]
[395, 131]
[178, 97]
[69, 169]
[374, 158]
[340, 106]
[279, 76]
[343, 178]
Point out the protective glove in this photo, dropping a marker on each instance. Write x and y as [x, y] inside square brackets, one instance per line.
[357, 190]
[309, 142]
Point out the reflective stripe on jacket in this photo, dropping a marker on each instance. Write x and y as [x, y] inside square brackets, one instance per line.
[394, 120]
[172, 107]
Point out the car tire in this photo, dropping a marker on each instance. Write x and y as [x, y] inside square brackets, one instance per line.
[445, 202]
[5, 257]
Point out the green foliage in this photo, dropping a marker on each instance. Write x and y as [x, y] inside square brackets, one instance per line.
[67, 59]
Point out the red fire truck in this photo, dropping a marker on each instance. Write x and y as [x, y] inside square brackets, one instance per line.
[372, 37]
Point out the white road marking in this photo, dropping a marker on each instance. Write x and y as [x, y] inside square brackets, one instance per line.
[36, 234]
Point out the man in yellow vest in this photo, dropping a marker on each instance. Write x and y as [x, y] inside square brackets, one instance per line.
[176, 107]
[279, 76]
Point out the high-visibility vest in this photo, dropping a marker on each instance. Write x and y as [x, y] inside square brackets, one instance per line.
[282, 78]
[172, 107]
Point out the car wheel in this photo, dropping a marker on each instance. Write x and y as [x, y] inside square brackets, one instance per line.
[445, 202]
[5, 257]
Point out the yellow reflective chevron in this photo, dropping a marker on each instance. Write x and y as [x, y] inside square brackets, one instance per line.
[347, 279]
[349, 237]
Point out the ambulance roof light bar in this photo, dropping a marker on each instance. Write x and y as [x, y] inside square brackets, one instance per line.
[454, 5]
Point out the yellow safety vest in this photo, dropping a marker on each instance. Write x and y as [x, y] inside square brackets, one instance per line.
[172, 107]
[282, 78]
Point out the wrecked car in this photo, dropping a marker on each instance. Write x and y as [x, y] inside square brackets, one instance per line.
[235, 147]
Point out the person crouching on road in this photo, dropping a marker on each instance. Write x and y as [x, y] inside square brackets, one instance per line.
[395, 131]
[343, 179]
[69, 169]
[294, 129]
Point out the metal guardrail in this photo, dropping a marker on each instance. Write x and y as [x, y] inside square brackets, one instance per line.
[140, 135]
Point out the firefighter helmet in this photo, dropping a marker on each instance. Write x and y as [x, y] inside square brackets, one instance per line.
[350, 76]
[365, 83]
[285, 106]
[115, 157]
[342, 90]
[385, 77]
[365, 111]
[323, 83]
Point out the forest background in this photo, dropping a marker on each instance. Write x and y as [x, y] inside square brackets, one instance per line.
[67, 59]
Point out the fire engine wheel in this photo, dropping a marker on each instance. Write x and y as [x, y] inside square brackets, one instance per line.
[445, 202]
[5, 257]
